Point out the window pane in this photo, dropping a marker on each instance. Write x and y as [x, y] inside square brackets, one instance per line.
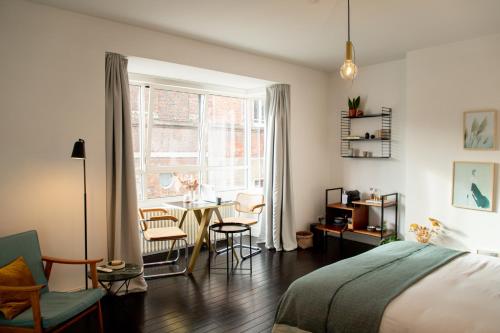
[135, 108]
[257, 172]
[225, 119]
[257, 147]
[227, 179]
[258, 112]
[175, 130]
[169, 184]
[138, 185]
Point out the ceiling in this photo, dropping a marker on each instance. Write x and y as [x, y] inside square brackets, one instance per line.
[308, 32]
[191, 74]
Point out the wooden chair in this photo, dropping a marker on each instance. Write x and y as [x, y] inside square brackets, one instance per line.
[50, 311]
[156, 234]
[252, 206]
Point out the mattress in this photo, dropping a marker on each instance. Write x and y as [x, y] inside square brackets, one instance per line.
[461, 296]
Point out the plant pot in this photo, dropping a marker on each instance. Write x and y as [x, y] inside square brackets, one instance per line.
[352, 112]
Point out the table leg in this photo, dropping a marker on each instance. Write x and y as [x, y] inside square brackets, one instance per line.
[180, 226]
[219, 217]
[200, 236]
[198, 215]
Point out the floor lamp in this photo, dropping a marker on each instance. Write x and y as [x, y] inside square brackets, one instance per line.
[79, 153]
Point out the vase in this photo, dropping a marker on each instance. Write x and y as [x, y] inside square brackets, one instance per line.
[187, 197]
[352, 112]
[423, 238]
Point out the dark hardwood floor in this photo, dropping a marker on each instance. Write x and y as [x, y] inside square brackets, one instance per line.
[213, 303]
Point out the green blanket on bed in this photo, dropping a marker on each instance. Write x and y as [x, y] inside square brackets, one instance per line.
[351, 295]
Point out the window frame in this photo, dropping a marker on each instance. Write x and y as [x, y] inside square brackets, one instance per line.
[203, 90]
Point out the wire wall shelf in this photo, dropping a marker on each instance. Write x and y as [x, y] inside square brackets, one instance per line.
[348, 147]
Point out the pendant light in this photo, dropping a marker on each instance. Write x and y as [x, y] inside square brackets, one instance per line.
[349, 69]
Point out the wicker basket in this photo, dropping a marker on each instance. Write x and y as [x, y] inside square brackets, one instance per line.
[304, 239]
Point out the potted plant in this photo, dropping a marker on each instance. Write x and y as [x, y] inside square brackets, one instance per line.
[353, 106]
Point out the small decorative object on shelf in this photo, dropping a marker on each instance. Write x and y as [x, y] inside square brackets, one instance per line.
[380, 136]
[353, 106]
[424, 234]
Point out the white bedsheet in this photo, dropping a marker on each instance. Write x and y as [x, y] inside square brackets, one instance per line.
[462, 296]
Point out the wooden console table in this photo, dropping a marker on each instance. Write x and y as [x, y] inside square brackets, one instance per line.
[359, 213]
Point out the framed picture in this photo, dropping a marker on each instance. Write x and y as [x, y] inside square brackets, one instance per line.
[480, 129]
[473, 185]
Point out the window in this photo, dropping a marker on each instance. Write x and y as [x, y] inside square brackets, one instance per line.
[183, 134]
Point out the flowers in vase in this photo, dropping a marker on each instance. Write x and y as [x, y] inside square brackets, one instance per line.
[424, 233]
[190, 183]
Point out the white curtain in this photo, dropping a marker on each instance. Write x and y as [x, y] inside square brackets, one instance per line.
[121, 197]
[278, 230]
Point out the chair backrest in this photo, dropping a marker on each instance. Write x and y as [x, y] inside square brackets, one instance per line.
[24, 245]
[246, 201]
[161, 214]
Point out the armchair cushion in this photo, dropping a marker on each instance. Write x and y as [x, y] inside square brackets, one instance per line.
[24, 245]
[57, 307]
[15, 274]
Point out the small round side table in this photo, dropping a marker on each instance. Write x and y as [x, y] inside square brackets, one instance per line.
[124, 275]
[229, 229]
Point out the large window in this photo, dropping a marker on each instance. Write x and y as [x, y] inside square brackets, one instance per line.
[183, 134]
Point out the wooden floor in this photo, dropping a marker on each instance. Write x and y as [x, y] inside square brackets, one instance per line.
[213, 303]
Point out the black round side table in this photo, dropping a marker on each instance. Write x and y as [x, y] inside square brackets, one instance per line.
[229, 230]
[124, 275]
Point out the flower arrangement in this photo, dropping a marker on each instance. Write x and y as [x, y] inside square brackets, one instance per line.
[190, 183]
[424, 233]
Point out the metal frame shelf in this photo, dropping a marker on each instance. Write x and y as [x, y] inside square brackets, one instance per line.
[385, 141]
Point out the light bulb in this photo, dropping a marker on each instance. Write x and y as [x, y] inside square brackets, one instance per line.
[348, 70]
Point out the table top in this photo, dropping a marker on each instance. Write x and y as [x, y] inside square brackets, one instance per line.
[229, 228]
[336, 229]
[196, 205]
[130, 271]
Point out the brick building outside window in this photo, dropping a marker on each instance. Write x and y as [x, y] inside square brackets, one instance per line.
[178, 133]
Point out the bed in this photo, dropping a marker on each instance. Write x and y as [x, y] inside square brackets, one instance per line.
[398, 287]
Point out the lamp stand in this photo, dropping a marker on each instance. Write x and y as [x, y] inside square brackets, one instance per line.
[85, 218]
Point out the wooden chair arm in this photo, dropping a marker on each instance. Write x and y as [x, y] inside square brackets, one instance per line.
[91, 262]
[161, 218]
[254, 208]
[34, 294]
[143, 222]
[155, 209]
[71, 261]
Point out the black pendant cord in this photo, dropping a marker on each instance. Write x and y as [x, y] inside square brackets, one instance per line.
[348, 20]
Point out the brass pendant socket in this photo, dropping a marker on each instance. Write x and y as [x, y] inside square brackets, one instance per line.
[349, 51]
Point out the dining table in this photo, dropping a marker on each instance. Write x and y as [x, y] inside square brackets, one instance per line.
[203, 211]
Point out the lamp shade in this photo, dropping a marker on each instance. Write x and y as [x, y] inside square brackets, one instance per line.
[79, 149]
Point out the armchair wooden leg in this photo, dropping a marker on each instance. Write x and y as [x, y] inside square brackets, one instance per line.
[37, 317]
[99, 316]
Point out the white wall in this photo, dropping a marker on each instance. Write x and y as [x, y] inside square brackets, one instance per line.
[428, 91]
[442, 83]
[378, 85]
[52, 92]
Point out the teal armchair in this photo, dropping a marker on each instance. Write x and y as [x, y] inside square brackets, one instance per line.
[50, 311]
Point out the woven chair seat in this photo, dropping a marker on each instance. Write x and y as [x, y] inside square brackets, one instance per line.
[244, 220]
[167, 233]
